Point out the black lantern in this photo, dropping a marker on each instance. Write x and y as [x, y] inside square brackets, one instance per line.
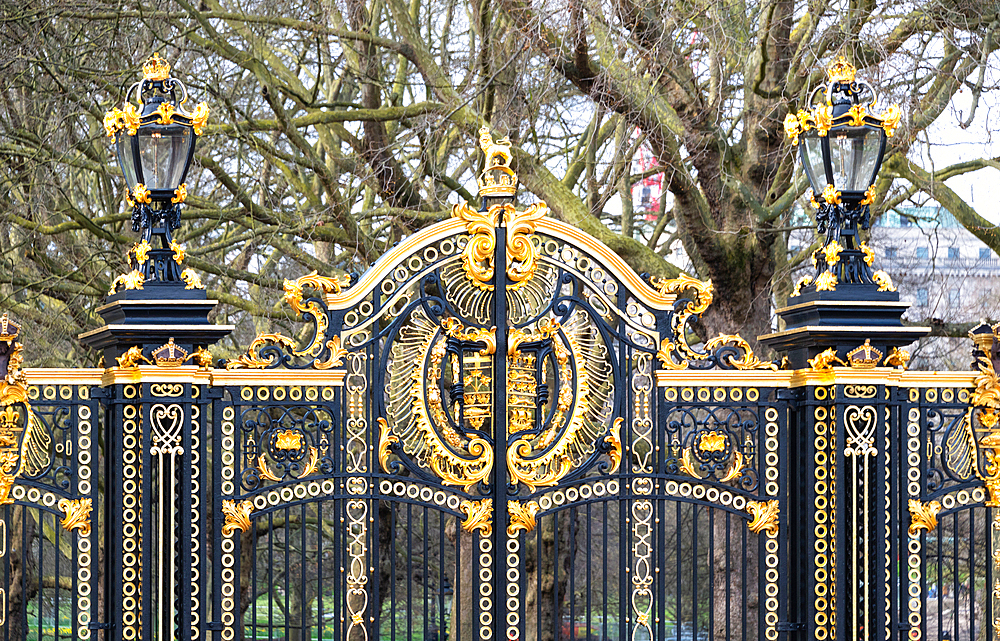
[154, 140]
[842, 146]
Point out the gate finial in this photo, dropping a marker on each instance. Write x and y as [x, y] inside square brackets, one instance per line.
[497, 179]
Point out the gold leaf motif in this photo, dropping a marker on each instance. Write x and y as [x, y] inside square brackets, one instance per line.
[857, 114]
[165, 111]
[868, 199]
[478, 516]
[923, 516]
[252, 359]
[614, 440]
[792, 129]
[748, 361]
[802, 282]
[736, 469]
[823, 117]
[77, 513]
[869, 254]
[385, 439]
[237, 515]
[831, 195]
[141, 251]
[477, 257]
[140, 194]
[827, 282]
[987, 392]
[114, 121]
[180, 195]
[337, 354]
[131, 119]
[765, 516]
[522, 516]
[178, 251]
[832, 252]
[891, 119]
[884, 281]
[132, 280]
[199, 117]
[521, 253]
[191, 279]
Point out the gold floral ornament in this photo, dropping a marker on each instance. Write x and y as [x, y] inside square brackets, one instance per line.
[24, 442]
[522, 516]
[386, 439]
[141, 251]
[478, 516]
[77, 514]
[765, 516]
[313, 309]
[522, 256]
[869, 254]
[800, 283]
[165, 113]
[180, 194]
[832, 252]
[237, 515]
[831, 195]
[178, 251]
[288, 440]
[923, 516]
[869, 198]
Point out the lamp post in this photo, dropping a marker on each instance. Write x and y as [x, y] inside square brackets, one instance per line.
[154, 142]
[842, 145]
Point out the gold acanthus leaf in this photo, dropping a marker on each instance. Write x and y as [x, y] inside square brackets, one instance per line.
[987, 392]
[77, 514]
[132, 280]
[522, 516]
[614, 440]
[191, 279]
[385, 439]
[478, 516]
[923, 516]
[237, 515]
[765, 516]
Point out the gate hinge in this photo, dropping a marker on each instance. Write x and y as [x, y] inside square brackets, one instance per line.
[788, 626]
[94, 625]
[214, 625]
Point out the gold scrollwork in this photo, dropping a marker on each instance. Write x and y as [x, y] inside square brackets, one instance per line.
[237, 515]
[191, 279]
[522, 516]
[477, 257]
[860, 391]
[923, 516]
[309, 468]
[77, 513]
[478, 516]
[800, 283]
[884, 281]
[765, 516]
[832, 252]
[614, 440]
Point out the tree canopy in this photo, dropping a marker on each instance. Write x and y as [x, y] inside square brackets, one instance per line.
[338, 128]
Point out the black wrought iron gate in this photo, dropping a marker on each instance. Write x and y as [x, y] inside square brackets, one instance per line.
[499, 431]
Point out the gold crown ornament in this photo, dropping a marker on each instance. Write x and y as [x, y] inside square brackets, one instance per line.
[865, 356]
[841, 70]
[497, 179]
[156, 68]
[170, 355]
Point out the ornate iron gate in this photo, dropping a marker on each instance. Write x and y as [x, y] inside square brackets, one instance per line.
[499, 431]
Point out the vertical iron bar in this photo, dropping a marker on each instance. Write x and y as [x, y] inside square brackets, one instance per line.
[500, 481]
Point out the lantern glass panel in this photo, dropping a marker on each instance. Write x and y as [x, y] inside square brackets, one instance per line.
[126, 159]
[854, 153]
[164, 152]
[812, 162]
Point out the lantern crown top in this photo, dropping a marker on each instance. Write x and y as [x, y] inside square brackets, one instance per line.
[841, 70]
[497, 179]
[156, 68]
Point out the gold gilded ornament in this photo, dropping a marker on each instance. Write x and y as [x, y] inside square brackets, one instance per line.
[288, 440]
[178, 251]
[765, 516]
[141, 251]
[199, 117]
[77, 514]
[831, 195]
[841, 70]
[140, 194]
[614, 440]
[890, 119]
[497, 179]
[802, 282]
[132, 280]
[478, 516]
[748, 361]
[337, 354]
[385, 439]
[792, 129]
[24, 441]
[237, 515]
[864, 356]
[869, 198]
[712, 442]
[825, 360]
[180, 194]
[884, 281]
[114, 120]
[169, 354]
[857, 115]
[822, 116]
[132, 357]
[897, 358]
[191, 279]
[869, 254]
[832, 252]
[155, 68]
[923, 516]
[202, 358]
[165, 113]
[522, 516]
[826, 282]
[522, 256]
